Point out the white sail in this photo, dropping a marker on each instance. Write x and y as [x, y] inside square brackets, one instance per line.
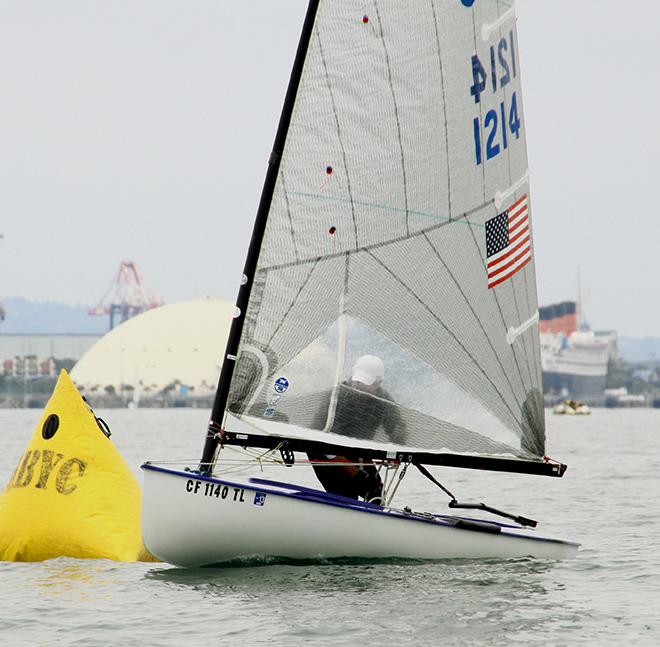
[400, 227]
[387, 312]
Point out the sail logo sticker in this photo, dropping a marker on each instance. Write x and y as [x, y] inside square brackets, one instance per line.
[259, 498]
[281, 385]
[272, 405]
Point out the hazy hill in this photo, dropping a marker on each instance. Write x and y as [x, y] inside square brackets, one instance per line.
[639, 349]
[23, 316]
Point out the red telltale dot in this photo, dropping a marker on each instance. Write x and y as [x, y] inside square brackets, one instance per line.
[332, 230]
[365, 19]
[328, 170]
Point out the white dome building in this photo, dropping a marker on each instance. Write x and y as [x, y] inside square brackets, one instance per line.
[177, 346]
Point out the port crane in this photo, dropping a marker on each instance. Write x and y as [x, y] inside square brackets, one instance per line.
[126, 296]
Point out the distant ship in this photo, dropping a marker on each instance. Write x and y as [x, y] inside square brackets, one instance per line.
[574, 359]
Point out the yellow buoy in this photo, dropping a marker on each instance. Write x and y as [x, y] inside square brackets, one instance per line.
[71, 494]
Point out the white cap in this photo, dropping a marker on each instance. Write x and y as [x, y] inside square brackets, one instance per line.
[368, 369]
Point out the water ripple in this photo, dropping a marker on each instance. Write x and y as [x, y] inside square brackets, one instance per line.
[607, 596]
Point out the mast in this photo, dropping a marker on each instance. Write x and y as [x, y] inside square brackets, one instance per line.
[231, 351]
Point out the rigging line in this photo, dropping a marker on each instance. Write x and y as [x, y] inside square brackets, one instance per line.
[288, 214]
[446, 220]
[258, 456]
[248, 423]
[386, 481]
[396, 113]
[476, 316]
[339, 137]
[390, 495]
[449, 332]
[385, 243]
[454, 503]
[293, 302]
[432, 478]
[247, 466]
[444, 105]
[499, 308]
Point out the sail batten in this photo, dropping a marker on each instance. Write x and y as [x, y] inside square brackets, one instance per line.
[402, 166]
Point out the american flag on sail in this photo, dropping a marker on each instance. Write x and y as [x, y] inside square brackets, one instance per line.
[508, 244]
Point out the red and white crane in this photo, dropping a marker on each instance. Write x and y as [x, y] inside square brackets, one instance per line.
[127, 295]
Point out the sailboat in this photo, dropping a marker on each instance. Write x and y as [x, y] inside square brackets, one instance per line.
[395, 224]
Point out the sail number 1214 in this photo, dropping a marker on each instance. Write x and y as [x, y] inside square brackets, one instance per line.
[497, 127]
[494, 131]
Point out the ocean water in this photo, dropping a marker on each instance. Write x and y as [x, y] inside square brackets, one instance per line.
[609, 595]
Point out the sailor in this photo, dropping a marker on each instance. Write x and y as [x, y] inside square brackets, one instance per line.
[363, 407]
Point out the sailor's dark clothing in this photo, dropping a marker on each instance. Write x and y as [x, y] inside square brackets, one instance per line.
[351, 481]
[360, 415]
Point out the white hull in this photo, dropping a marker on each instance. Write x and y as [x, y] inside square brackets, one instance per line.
[190, 520]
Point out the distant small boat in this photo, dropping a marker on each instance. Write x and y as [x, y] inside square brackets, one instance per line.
[571, 408]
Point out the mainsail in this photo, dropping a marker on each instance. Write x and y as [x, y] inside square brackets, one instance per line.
[395, 222]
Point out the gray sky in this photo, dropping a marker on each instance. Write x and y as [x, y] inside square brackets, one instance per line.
[140, 129]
